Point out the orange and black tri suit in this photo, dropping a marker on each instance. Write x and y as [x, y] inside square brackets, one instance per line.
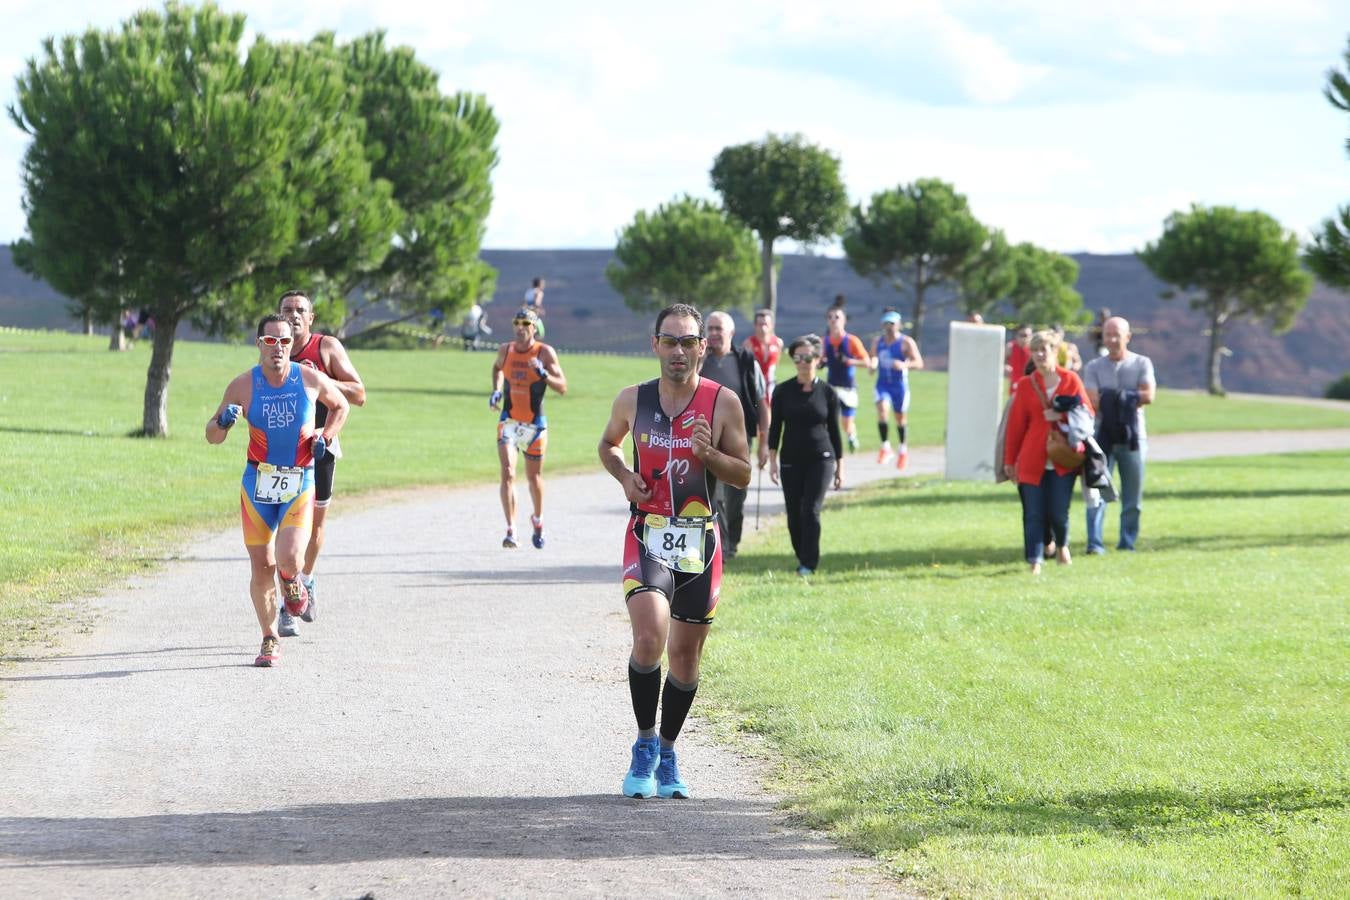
[523, 399]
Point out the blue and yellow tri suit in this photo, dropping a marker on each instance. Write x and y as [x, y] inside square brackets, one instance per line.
[280, 434]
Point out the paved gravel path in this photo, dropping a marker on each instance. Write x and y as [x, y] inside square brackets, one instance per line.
[456, 723]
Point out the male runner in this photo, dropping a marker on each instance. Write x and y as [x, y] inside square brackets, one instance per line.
[844, 352]
[767, 348]
[895, 354]
[688, 432]
[527, 368]
[326, 354]
[277, 399]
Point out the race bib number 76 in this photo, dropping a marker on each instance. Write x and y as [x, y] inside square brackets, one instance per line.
[278, 484]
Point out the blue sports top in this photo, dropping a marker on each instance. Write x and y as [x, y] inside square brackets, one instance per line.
[281, 421]
[886, 354]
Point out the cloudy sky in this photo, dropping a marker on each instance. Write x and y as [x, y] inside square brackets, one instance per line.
[1078, 126]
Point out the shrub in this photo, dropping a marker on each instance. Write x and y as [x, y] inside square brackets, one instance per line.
[1340, 388]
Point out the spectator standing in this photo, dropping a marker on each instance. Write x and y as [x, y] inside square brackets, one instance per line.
[1018, 356]
[1119, 385]
[474, 327]
[534, 300]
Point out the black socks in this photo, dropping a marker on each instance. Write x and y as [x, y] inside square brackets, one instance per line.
[644, 685]
[676, 699]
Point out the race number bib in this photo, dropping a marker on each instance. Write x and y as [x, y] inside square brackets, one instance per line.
[519, 435]
[676, 543]
[278, 484]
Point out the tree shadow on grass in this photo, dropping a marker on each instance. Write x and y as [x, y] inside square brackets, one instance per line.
[62, 432]
[959, 562]
[564, 828]
[1238, 494]
[1008, 497]
[1130, 814]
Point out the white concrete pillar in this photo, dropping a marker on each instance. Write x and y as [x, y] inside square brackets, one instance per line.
[975, 388]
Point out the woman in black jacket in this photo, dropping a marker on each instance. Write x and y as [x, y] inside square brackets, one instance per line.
[805, 451]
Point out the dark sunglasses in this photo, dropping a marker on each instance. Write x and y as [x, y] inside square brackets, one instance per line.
[803, 357]
[686, 341]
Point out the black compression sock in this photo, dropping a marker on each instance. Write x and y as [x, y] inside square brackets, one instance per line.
[901, 432]
[644, 685]
[884, 428]
[676, 698]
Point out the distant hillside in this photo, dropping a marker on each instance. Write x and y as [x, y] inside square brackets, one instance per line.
[583, 313]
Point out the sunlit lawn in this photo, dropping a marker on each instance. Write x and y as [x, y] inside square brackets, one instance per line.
[1169, 722]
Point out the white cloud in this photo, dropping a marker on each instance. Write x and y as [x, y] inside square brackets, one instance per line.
[612, 107]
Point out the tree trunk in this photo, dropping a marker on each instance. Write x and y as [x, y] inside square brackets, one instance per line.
[769, 277]
[88, 323]
[156, 419]
[917, 331]
[1216, 321]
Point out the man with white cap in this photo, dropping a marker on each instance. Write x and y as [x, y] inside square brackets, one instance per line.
[894, 354]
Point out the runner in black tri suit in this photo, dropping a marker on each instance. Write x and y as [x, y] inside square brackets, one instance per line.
[687, 433]
[326, 354]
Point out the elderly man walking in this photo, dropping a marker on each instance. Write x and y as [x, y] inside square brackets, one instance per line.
[738, 370]
[1120, 384]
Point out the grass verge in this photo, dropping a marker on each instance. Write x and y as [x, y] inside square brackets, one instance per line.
[1168, 722]
[83, 503]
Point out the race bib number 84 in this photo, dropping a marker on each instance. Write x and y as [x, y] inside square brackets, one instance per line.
[278, 484]
[676, 543]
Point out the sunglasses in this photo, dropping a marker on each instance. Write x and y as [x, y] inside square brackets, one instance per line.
[686, 341]
[803, 357]
[271, 340]
[522, 321]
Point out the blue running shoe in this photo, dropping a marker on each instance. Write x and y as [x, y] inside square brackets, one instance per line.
[309, 615]
[641, 778]
[668, 780]
[286, 626]
[538, 538]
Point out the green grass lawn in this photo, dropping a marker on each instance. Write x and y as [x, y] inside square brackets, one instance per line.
[1170, 722]
[82, 502]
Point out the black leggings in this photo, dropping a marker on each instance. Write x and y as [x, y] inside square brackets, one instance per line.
[804, 487]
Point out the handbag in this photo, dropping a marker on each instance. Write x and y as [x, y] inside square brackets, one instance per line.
[1057, 446]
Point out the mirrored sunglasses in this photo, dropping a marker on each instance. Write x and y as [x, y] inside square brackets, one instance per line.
[803, 357]
[271, 340]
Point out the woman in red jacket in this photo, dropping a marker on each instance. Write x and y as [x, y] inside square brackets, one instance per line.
[1044, 487]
